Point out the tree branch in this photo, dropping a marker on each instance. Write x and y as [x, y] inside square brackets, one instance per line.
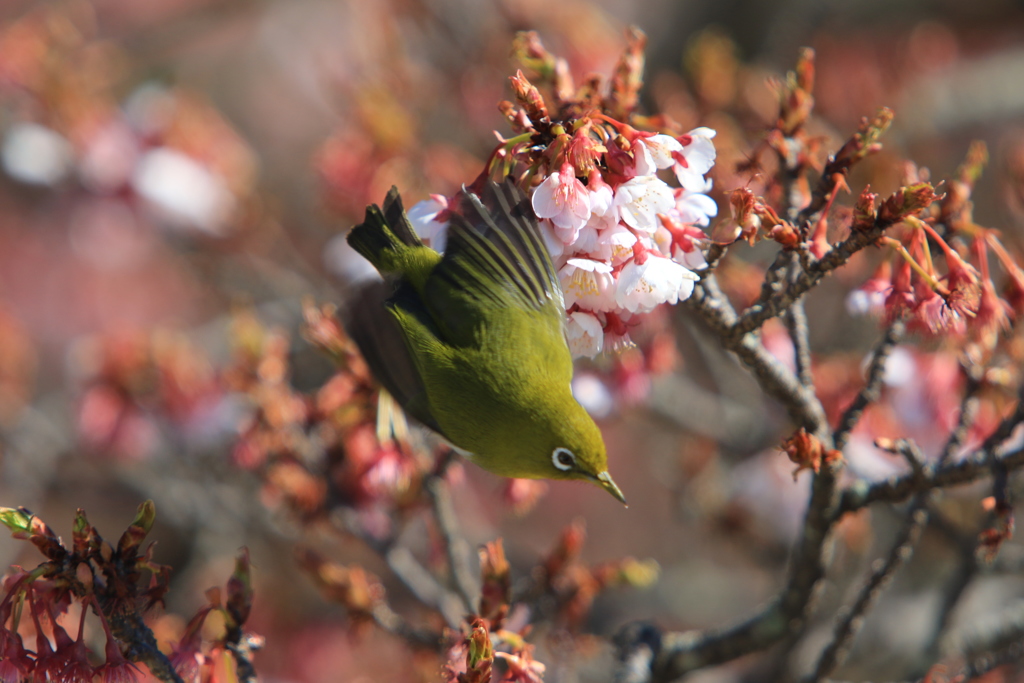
[873, 385]
[778, 301]
[775, 379]
[851, 618]
[460, 555]
[939, 475]
[897, 489]
[796, 322]
[407, 568]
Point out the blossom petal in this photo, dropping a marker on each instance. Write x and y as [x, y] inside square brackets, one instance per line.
[584, 334]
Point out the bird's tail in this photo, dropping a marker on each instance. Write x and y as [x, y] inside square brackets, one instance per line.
[386, 237]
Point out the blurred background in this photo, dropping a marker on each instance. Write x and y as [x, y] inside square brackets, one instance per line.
[176, 177]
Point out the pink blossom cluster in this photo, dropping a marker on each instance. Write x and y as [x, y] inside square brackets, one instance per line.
[622, 239]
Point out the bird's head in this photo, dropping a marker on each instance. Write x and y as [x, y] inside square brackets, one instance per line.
[575, 449]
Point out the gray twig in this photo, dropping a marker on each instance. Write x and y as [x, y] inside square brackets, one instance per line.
[873, 386]
[852, 617]
[408, 569]
[775, 379]
[460, 555]
[778, 301]
[938, 474]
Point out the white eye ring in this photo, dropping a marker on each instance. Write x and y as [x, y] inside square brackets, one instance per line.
[563, 459]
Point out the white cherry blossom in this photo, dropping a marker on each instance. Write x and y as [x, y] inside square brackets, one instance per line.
[661, 149]
[602, 198]
[643, 160]
[696, 158]
[695, 207]
[556, 247]
[646, 282]
[615, 245]
[588, 283]
[691, 260]
[641, 199]
[587, 241]
[584, 334]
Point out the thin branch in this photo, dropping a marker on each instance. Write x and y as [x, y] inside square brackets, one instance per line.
[777, 381]
[242, 650]
[460, 555]
[774, 378]
[968, 409]
[716, 252]
[779, 301]
[713, 306]
[407, 568]
[774, 276]
[138, 642]
[936, 475]
[897, 489]
[873, 386]
[853, 617]
[967, 569]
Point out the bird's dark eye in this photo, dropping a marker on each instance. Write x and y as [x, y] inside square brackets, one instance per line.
[563, 459]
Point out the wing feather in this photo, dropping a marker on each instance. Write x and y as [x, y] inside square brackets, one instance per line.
[495, 250]
[369, 319]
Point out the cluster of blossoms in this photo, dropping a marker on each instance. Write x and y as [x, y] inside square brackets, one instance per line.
[961, 300]
[89, 577]
[622, 239]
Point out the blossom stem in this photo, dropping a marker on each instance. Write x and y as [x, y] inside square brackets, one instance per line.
[617, 125]
[518, 139]
[921, 225]
[898, 247]
[1004, 257]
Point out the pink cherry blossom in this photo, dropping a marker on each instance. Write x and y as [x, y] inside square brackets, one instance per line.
[565, 200]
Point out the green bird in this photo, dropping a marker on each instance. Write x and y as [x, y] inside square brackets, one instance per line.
[472, 343]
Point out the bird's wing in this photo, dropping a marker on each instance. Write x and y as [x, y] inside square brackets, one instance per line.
[496, 259]
[371, 319]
